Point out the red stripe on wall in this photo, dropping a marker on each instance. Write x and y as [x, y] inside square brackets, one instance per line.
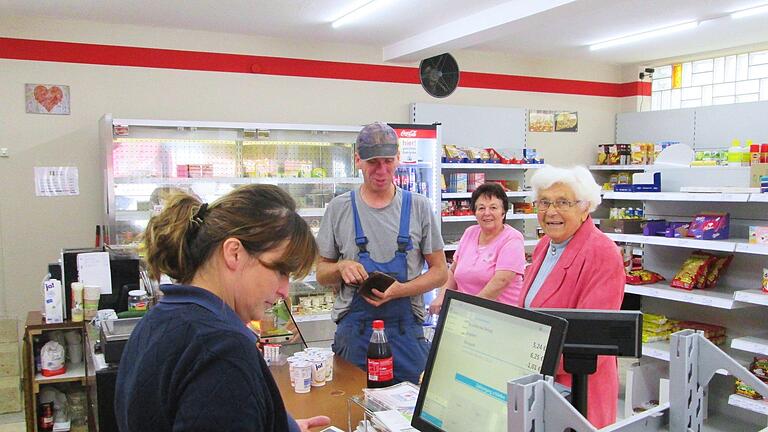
[69, 52]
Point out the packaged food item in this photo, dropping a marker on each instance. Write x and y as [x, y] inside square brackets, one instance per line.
[746, 391]
[710, 226]
[716, 269]
[639, 156]
[765, 280]
[690, 272]
[715, 333]
[641, 277]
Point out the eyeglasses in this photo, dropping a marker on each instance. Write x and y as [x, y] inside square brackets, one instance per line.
[561, 204]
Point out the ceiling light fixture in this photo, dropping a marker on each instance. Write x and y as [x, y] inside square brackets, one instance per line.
[749, 12]
[644, 35]
[361, 11]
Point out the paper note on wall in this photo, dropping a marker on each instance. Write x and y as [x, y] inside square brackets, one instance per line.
[93, 269]
[56, 181]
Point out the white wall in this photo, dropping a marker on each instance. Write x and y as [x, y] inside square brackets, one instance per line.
[33, 230]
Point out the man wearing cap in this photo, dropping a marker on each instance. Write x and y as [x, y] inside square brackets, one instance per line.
[380, 227]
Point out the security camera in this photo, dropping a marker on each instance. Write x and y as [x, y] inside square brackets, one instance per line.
[650, 70]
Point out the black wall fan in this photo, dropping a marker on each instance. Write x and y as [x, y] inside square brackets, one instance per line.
[439, 75]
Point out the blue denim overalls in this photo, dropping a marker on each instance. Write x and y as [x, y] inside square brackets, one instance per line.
[404, 332]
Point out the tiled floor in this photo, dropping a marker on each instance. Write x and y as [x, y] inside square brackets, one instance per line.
[13, 422]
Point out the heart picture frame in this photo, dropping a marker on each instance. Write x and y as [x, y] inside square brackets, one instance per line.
[47, 99]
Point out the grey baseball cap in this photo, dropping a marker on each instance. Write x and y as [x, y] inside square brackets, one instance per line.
[377, 140]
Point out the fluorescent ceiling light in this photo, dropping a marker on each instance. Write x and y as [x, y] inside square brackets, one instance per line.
[361, 11]
[645, 35]
[750, 12]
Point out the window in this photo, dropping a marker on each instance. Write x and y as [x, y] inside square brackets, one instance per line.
[722, 80]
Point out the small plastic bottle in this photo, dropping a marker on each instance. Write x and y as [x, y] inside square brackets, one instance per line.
[381, 372]
[138, 301]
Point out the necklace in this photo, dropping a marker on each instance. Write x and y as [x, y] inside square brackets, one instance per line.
[553, 250]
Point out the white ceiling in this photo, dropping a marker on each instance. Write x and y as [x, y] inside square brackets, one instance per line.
[407, 30]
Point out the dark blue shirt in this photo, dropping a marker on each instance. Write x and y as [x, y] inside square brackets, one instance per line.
[192, 365]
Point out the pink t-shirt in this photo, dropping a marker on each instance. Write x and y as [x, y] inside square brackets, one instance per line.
[476, 265]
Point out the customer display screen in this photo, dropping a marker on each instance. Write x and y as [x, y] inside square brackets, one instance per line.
[479, 346]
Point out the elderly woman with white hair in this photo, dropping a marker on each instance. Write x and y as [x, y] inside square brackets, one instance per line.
[575, 266]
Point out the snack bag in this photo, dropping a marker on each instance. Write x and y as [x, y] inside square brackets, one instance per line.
[716, 270]
[641, 277]
[690, 272]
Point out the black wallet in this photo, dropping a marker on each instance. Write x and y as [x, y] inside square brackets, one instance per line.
[376, 280]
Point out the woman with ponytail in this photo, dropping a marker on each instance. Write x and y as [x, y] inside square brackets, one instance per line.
[191, 364]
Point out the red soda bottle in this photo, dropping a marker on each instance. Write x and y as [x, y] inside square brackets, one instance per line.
[381, 372]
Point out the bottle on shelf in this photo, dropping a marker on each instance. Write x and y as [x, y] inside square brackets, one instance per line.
[735, 153]
[381, 371]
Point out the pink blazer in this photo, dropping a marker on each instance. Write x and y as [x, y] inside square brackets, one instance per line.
[589, 275]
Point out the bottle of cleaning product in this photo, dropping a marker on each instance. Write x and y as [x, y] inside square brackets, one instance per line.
[745, 153]
[734, 153]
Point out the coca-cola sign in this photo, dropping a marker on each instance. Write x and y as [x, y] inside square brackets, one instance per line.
[417, 133]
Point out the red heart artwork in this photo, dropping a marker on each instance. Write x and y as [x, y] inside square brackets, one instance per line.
[48, 97]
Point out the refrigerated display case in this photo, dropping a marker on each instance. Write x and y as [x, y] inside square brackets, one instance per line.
[147, 158]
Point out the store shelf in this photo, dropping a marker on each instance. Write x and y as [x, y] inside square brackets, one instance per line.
[510, 216]
[237, 180]
[755, 296]
[718, 298]
[526, 243]
[415, 164]
[761, 197]
[460, 195]
[129, 216]
[489, 166]
[751, 344]
[660, 350]
[73, 373]
[312, 317]
[307, 212]
[758, 406]
[677, 196]
[657, 350]
[715, 245]
[744, 246]
[619, 167]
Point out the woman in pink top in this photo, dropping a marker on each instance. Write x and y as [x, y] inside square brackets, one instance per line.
[490, 259]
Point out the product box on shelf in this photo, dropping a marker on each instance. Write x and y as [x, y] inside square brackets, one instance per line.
[758, 234]
[710, 226]
[622, 226]
[663, 228]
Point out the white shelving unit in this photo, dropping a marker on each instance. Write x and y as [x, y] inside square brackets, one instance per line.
[510, 216]
[526, 243]
[619, 167]
[467, 195]
[722, 298]
[735, 302]
[488, 166]
[753, 344]
[758, 406]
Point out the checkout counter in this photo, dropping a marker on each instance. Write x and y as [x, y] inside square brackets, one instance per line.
[330, 400]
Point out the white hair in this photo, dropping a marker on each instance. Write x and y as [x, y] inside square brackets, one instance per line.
[578, 178]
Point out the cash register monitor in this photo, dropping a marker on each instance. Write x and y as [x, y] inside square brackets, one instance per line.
[480, 345]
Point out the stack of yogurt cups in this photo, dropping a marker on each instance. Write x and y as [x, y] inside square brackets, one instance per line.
[312, 367]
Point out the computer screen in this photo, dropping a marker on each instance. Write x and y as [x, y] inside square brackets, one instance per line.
[480, 345]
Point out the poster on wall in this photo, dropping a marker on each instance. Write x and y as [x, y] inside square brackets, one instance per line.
[567, 121]
[541, 121]
[56, 181]
[47, 99]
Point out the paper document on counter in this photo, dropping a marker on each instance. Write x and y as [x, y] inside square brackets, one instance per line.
[393, 421]
[93, 269]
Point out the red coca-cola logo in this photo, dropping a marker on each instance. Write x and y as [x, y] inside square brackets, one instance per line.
[408, 133]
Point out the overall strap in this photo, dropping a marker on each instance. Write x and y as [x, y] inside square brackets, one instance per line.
[404, 235]
[360, 239]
